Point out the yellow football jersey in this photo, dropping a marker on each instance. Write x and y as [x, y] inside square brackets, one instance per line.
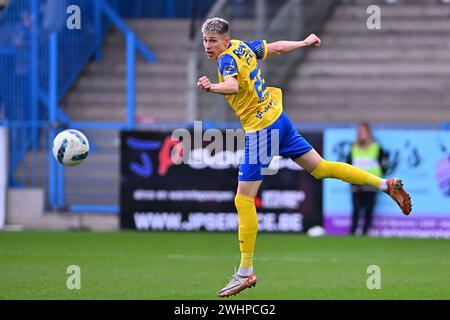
[256, 105]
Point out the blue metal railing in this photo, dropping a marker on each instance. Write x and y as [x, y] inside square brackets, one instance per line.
[56, 173]
[39, 60]
[25, 26]
[14, 80]
[53, 112]
[108, 11]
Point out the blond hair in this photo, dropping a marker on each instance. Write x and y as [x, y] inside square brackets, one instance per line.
[216, 25]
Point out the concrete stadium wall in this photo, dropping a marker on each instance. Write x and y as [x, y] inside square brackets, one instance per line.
[25, 210]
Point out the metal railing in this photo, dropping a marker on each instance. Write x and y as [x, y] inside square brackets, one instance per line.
[56, 176]
[40, 59]
[25, 26]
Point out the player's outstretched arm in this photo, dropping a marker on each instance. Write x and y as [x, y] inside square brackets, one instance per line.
[228, 86]
[280, 47]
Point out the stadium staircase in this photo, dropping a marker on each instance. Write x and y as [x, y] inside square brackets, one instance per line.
[399, 74]
[100, 92]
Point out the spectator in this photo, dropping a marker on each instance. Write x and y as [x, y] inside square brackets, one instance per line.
[367, 155]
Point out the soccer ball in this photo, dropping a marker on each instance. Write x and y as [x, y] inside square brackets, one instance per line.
[70, 147]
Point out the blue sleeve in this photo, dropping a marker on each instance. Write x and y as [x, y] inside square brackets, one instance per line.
[227, 66]
[259, 47]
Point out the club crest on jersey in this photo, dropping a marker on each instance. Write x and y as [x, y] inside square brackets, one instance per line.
[229, 70]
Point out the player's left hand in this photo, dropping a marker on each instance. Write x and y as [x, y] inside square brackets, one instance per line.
[313, 40]
[204, 83]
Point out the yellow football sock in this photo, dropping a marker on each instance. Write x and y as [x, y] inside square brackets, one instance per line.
[248, 228]
[345, 172]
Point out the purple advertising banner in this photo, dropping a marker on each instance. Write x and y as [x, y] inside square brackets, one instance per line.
[421, 158]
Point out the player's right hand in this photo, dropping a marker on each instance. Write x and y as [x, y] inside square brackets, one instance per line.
[204, 83]
[312, 39]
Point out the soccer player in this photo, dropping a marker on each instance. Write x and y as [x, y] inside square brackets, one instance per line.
[260, 111]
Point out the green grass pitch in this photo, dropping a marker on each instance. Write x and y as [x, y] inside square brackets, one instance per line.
[160, 265]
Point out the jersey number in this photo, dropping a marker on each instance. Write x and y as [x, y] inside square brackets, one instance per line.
[260, 85]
